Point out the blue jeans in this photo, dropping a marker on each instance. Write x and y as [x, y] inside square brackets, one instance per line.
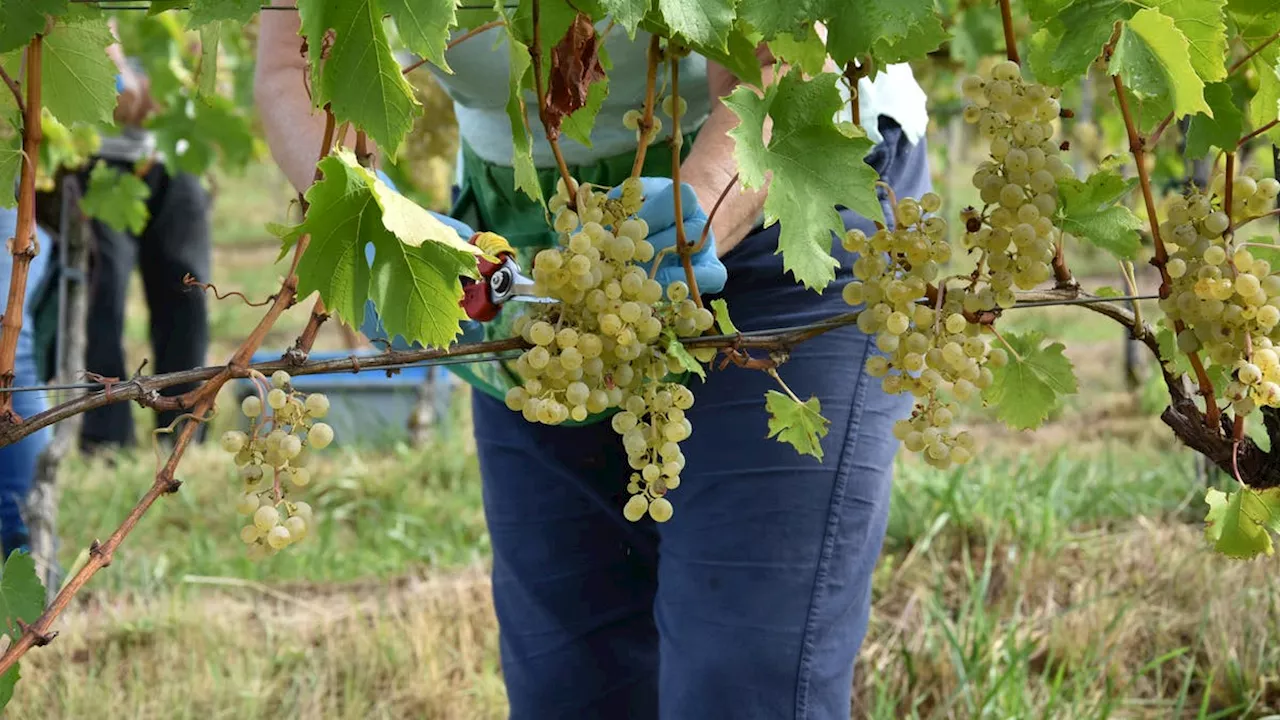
[18, 460]
[753, 600]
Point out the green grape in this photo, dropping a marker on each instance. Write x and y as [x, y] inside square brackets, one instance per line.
[266, 517]
[277, 398]
[660, 509]
[233, 441]
[320, 436]
[280, 379]
[297, 527]
[635, 508]
[251, 406]
[278, 537]
[247, 504]
[316, 405]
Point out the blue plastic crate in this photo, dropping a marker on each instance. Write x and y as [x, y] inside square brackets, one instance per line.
[367, 408]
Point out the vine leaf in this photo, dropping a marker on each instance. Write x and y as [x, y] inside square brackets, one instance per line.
[802, 48]
[424, 26]
[360, 77]
[799, 423]
[1063, 49]
[7, 682]
[117, 198]
[1205, 26]
[1029, 387]
[1091, 210]
[10, 167]
[1153, 59]
[706, 22]
[721, 309]
[20, 20]
[79, 81]
[676, 349]
[1264, 106]
[204, 12]
[627, 13]
[414, 279]
[575, 65]
[1237, 523]
[21, 593]
[890, 30]
[771, 18]
[814, 168]
[578, 125]
[1220, 131]
[520, 77]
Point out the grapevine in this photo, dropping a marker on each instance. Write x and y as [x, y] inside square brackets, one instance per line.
[930, 286]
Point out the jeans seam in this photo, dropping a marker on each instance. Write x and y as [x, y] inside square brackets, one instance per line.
[843, 468]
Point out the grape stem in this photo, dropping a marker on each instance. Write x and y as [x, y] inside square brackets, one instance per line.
[553, 136]
[773, 373]
[1256, 133]
[457, 41]
[711, 216]
[645, 124]
[853, 72]
[22, 246]
[1010, 42]
[15, 89]
[676, 141]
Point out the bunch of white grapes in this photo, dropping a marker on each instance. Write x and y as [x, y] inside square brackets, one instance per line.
[1227, 301]
[604, 345]
[927, 349]
[273, 458]
[1019, 185]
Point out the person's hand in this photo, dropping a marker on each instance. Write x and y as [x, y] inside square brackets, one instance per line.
[659, 213]
[134, 103]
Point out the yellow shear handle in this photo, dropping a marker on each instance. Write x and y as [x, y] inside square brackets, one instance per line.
[493, 244]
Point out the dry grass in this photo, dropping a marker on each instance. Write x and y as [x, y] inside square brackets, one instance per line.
[421, 647]
[1121, 624]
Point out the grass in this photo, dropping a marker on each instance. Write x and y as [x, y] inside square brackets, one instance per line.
[1063, 574]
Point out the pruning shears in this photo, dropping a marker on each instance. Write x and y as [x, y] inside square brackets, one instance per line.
[501, 280]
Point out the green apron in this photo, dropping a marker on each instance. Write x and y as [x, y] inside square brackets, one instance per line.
[488, 201]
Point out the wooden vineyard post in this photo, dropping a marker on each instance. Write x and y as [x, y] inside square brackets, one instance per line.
[42, 504]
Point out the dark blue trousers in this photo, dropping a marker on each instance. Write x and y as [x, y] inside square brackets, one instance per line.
[753, 600]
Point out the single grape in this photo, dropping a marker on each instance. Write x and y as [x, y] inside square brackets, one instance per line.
[320, 436]
[277, 398]
[266, 517]
[660, 509]
[278, 537]
[635, 508]
[251, 406]
[233, 441]
[280, 379]
[317, 405]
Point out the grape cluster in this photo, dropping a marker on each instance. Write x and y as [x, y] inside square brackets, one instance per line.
[1227, 301]
[928, 347]
[605, 344]
[273, 458]
[1019, 185]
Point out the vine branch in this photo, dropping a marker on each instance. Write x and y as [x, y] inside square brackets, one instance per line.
[22, 245]
[645, 126]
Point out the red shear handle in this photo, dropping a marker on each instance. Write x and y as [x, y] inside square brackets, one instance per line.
[476, 300]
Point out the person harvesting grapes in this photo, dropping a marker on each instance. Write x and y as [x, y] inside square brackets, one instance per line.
[751, 599]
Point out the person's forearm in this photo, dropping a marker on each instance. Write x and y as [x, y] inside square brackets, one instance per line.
[294, 129]
[710, 166]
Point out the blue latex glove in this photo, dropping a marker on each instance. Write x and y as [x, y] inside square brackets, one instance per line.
[372, 325]
[659, 212]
